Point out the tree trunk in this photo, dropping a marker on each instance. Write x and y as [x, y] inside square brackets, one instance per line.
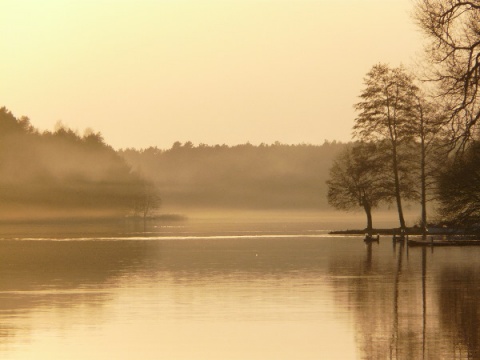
[368, 211]
[424, 192]
[398, 197]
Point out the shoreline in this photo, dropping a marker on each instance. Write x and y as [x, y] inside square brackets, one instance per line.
[409, 231]
[389, 231]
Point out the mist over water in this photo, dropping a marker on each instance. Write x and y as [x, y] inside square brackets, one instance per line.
[246, 177]
[258, 288]
[236, 263]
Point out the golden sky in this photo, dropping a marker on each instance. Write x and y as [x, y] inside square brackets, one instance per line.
[148, 73]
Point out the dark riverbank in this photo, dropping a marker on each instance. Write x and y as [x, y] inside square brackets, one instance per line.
[409, 231]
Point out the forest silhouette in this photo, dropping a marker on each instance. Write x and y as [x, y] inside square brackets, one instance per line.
[61, 174]
[263, 177]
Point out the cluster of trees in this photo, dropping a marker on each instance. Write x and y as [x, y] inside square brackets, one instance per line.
[275, 176]
[45, 174]
[413, 144]
[60, 173]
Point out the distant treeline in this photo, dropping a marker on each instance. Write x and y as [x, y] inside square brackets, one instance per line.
[276, 176]
[63, 174]
[60, 173]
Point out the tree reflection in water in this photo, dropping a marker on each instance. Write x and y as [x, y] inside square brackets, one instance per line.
[459, 309]
[420, 306]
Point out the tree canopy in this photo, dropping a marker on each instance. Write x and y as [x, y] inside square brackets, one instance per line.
[358, 178]
[452, 31]
[47, 173]
[459, 189]
[386, 114]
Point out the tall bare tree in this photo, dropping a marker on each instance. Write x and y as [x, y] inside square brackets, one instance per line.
[429, 134]
[385, 113]
[452, 29]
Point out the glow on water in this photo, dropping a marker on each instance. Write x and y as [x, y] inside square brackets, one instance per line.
[301, 294]
[187, 237]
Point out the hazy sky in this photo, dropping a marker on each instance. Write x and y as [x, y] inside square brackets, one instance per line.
[228, 71]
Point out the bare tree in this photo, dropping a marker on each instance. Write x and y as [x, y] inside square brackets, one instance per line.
[429, 134]
[357, 179]
[146, 200]
[386, 113]
[452, 28]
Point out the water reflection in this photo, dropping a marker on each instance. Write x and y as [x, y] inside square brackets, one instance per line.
[424, 306]
[57, 278]
[459, 309]
[167, 288]
[238, 297]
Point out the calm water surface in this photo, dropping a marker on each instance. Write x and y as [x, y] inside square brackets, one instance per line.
[232, 291]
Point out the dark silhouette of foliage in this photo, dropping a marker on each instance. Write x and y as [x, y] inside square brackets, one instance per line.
[452, 30]
[385, 113]
[146, 201]
[50, 172]
[358, 178]
[459, 188]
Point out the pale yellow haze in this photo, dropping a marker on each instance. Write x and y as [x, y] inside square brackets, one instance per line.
[148, 73]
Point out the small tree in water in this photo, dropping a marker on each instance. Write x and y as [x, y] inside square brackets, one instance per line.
[357, 179]
[146, 200]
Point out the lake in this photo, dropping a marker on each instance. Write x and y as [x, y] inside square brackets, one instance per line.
[231, 290]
